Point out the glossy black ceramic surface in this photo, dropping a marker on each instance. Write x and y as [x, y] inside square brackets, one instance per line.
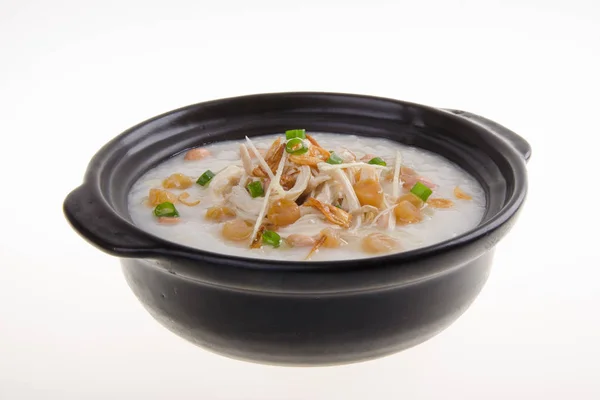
[303, 313]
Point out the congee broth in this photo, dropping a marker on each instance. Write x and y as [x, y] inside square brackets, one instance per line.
[307, 196]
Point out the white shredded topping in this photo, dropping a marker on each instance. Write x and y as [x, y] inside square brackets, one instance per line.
[260, 159]
[387, 210]
[277, 187]
[358, 214]
[395, 191]
[274, 181]
[346, 187]
[279, 171]
[391, 216]
[323, 166]
[246, 161]
[396, 183]
[348, 190]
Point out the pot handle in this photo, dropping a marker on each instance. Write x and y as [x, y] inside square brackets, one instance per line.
[95, 221]
[511, 137]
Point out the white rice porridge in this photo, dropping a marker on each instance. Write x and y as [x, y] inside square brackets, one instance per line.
[229, 188]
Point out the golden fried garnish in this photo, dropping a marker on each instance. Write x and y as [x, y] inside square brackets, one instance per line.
[440, 203]
[182, 199]
[168, 220]
[332, 214]
[288, 180]
[257, 240]
[313, 141]
[273, 160]
[460, 194]
[316, 150]
[305, 160]
[318, 244]
[274, 154]
[273, 149]
[259, 172]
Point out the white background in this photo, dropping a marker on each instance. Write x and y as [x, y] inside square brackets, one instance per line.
[73, 74]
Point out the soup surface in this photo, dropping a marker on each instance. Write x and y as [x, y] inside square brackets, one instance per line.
[307, 196]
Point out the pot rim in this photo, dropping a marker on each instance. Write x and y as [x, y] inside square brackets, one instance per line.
[512, 148]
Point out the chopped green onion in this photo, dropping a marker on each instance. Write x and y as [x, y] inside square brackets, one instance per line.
[256, 189]
[334, 159]
[271, 238]
[377, 161]
[166, 209]
[296, 146]
[421, 191]
[205, 178]
[295, 133]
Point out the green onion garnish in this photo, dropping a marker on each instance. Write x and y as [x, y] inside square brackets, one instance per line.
[421, 191]
[296, 146]
[256, 189]
[271, 238]
[166, 209]
[205, 178]
[295, 133]
[334, 159]
[377, 161]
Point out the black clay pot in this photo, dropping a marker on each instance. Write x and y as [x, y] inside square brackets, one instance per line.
[303, 313]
